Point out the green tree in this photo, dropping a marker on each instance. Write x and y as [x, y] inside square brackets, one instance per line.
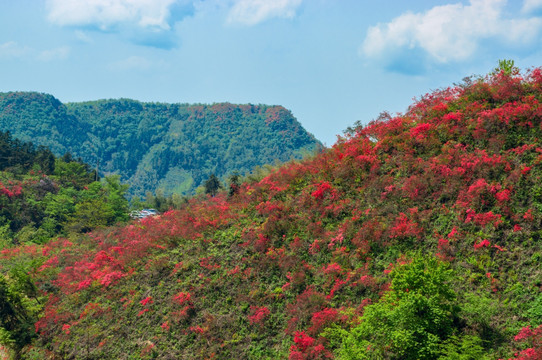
[507, 67]
[116, 197]
[45, 159]
[90, 215]
[411, 320]
[73, 173]
[466, 347]
[101, 204]
[212, 185]
[235, 183]
[16, 319]
[59, 206]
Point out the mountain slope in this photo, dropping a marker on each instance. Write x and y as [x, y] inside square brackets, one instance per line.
[40, 118]
[415, 237]
[172, 147]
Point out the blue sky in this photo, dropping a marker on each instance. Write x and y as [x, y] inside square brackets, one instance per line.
[331, 62]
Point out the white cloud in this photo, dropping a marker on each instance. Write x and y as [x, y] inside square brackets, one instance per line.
[451, 32]
[252, 12]
[11, 50]
[531, 5]
[83, 37]
[153, 14]
[54, 54]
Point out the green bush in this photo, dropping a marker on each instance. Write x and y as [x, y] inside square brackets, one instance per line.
[412, 318]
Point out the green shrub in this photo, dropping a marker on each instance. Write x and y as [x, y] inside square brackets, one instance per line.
[411, 320]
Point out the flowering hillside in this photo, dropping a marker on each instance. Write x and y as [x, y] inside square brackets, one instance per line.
[415, 237]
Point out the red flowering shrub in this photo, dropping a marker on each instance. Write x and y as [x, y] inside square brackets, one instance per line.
[419, 131]
[482, 244]
[306, 249]
[306, 348]
[503, 195]
[533, 339]
[321, 319]
[300, 311]
[147, 300]
[405, 227]
[182, 298]
[333, 269]
[259, 314]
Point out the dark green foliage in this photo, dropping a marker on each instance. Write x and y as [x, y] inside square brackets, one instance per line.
[45, 160]
[172, 147]
[41, 196]
[212, 185]
[16, 318]
[235, 183]
[39, 118]
[101, 204]
[17, 156]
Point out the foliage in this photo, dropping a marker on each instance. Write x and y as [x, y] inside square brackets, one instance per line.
[467, 347]
[416, 236]
[507, 67]
[234, 183]
[533, 339]
[155, 146]
[212, 184]
[411, 320]
[17, 312]
[42, 196]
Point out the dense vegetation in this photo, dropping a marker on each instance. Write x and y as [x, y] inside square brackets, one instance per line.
[42, 196]
[414, 237]
[153, 146]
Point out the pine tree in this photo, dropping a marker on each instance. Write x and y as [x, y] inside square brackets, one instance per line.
[212, 185]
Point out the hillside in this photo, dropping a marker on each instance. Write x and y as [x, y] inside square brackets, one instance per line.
[171, 147]
[414, 237]
[44, 197]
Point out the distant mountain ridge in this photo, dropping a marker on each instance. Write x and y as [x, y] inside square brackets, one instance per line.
[171, 147]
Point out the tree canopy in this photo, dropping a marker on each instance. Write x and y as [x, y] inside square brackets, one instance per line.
[171, 147]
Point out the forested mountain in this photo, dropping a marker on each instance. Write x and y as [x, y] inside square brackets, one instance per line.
[414, 237]
[172, 147]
